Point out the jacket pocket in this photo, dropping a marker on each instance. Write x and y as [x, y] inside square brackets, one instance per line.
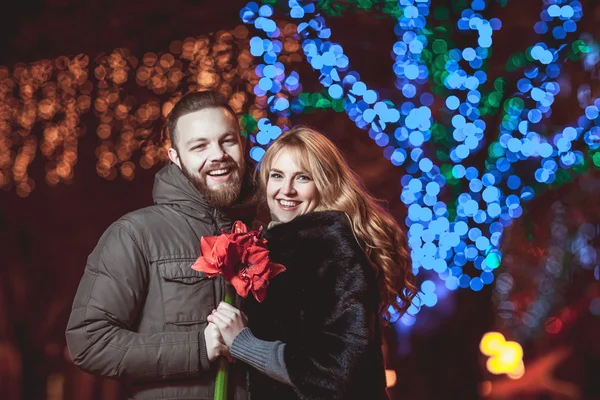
[187, 295]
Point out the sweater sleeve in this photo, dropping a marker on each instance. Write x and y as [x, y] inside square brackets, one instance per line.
[266, 357]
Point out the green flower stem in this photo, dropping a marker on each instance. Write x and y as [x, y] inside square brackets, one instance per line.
[221, 382]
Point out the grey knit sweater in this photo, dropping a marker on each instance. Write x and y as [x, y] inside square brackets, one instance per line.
[266, 357]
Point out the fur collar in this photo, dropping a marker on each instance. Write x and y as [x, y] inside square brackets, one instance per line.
[324, 232]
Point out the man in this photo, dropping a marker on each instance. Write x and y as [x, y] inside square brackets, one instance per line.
[140, 313]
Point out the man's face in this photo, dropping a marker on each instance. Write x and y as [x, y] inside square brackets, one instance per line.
[210, 154]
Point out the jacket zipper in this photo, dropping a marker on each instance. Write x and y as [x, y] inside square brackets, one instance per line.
[221, 281]
[215, 223]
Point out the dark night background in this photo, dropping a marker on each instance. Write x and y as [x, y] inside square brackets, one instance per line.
[46, 237]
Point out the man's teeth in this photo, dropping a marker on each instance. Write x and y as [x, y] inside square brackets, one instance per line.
[286, 203]
[218, 172]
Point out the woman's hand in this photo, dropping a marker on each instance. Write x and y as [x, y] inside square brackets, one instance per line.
[229, 320]
[215, 345]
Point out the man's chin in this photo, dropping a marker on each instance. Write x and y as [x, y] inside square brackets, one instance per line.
[222, 195]
[217, 187]
[218, 194]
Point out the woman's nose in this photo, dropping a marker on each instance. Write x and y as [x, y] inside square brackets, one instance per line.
[288, 188]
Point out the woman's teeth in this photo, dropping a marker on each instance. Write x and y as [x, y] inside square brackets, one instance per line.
[287, 203]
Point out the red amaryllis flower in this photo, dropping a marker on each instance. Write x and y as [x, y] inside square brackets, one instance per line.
[256, 275]
[242, 258]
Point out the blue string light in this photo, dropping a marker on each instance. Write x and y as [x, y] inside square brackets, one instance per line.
[495, 196]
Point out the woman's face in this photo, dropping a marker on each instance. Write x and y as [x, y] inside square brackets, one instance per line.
[291, 190]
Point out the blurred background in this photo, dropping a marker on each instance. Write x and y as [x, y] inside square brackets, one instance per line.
[476, 122]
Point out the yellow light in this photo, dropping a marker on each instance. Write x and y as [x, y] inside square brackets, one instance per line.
[507, 359]
[390, 377]
[512, 354]
[221, 61]
[518, 372]
[494, 365]
[491, 343]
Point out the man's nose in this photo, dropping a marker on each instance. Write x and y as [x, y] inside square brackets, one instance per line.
[217, 153]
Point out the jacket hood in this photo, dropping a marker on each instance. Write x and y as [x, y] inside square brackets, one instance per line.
[172, 187]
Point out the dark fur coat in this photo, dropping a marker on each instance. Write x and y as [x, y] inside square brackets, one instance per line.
[325, 308]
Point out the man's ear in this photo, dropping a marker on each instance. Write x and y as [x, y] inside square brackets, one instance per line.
[174, 157]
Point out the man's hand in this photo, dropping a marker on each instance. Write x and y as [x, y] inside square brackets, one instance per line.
[215, 346]
[229, 320]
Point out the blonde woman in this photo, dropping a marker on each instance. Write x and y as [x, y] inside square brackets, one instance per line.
[317, 333]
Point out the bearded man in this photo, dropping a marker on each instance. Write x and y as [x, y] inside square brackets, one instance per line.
[140, 313]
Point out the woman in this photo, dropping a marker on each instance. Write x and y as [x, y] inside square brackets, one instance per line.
[317, 333]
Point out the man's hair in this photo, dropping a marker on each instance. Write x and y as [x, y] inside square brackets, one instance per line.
[192, 102]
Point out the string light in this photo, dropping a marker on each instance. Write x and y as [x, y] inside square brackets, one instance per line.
[444, 236]
[55, 94]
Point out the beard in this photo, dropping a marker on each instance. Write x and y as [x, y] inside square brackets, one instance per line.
[225, 194]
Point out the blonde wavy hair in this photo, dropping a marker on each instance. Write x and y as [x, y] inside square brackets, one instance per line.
[341, 189]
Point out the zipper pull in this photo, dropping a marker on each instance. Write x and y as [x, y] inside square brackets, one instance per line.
[215, 222]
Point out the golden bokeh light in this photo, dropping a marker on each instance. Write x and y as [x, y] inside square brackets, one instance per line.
[390, 378]
[505, 357]
[518, 372]
[491, 343]
[42, 103]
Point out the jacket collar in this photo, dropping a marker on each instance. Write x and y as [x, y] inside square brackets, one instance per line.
[173, 188]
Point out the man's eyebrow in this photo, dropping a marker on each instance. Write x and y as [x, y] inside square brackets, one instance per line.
[201, 139]
[194, 140]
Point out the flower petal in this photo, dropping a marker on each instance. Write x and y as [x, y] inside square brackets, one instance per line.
[243, 242]
[207, 243]
[275, 269]
[239, 227]
[241, 286]
[259, 295]
[258, 260]
[258, 269]
[220, 245]
[231, 260]
[260, 282]
[205, 266]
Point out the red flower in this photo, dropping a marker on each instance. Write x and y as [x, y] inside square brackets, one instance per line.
[242, 258]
